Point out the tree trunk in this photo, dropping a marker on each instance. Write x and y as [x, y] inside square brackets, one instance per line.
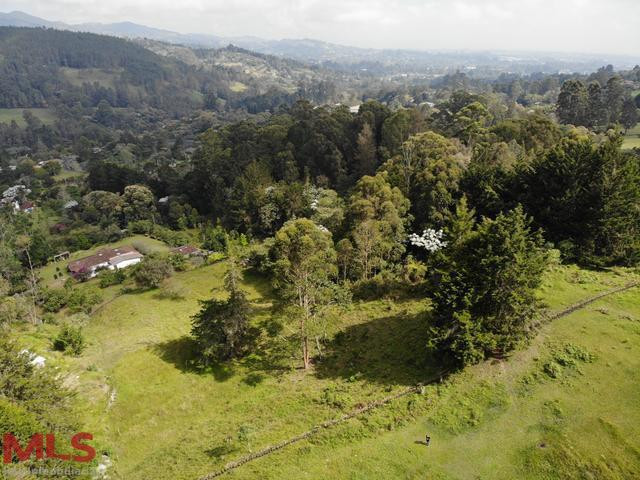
[34, 316]
[305, 352]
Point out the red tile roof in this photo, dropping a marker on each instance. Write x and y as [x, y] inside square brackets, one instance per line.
[86, 264]
[186, 250]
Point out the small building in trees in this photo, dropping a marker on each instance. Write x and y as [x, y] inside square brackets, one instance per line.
[188, 251]
[24, 207]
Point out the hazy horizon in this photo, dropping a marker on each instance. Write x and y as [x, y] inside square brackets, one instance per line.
[573, 26]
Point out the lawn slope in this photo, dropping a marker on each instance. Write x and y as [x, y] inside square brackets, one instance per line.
[564, 407]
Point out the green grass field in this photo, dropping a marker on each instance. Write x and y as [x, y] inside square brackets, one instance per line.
[66, 175]
[632, 138]
[159, 418]
[7, 115]
[504, 419]
[47, 273]
[78, 76]
[238, 87]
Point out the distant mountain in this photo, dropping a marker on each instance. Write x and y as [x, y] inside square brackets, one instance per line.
[45, 67]
[21, 19]
[353, 58]
[120, 29]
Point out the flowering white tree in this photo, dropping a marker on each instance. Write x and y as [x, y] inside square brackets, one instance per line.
[431, 240]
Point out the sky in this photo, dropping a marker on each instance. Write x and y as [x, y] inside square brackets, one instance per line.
[589, 26]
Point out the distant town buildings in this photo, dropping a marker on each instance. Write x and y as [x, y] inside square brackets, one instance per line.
[16, 197]
[25, 207]
[15, 192]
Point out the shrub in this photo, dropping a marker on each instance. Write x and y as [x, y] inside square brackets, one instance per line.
[214, 238]
[54, 300]
[13, 309]
[259, 258]
[414, 271]
[216, 257]
[152, 271]
[69, 340]
[336, 396]
[82, 301]
[49, 318]
[197, 262]
[170, 237]
[140, 226]
[112, 233]
[111, 277]
[170, 292]
[18, 420]
[384, 284]
[553, 369]
[178, 262]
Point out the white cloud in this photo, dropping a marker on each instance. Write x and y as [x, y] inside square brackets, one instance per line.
[609, 26]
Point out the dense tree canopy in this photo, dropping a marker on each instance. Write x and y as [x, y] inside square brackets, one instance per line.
[484, 299]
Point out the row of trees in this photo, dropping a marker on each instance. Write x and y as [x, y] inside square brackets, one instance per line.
[484, 278]
[596, 106]
[344, 191]
[488, 210]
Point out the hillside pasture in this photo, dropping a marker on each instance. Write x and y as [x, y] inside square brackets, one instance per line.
[632, 138]
[79, 76]
[158, 416]
[45, 115]
[144, 244]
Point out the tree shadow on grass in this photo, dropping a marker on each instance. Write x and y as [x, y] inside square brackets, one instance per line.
[260, 283]
[172, 295]
[182, 352]
[387, 350]
[262, 361]
[220, 451]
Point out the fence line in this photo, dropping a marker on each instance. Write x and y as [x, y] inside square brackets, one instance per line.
[407, 391]
[583, 303]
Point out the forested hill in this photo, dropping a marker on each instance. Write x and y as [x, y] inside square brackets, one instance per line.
[264, 73]
[42, 67]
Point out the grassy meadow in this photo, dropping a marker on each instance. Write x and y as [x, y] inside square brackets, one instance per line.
[7, 115]
[47, 273]
[564, 406]
[68, 175]
[80, 76]
[632, 138]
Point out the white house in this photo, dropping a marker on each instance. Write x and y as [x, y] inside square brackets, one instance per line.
[108, 258]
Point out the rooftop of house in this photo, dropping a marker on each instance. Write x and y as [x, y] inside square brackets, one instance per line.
[186, 250]
[124, 257]
[104, 256]
[13, 192]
